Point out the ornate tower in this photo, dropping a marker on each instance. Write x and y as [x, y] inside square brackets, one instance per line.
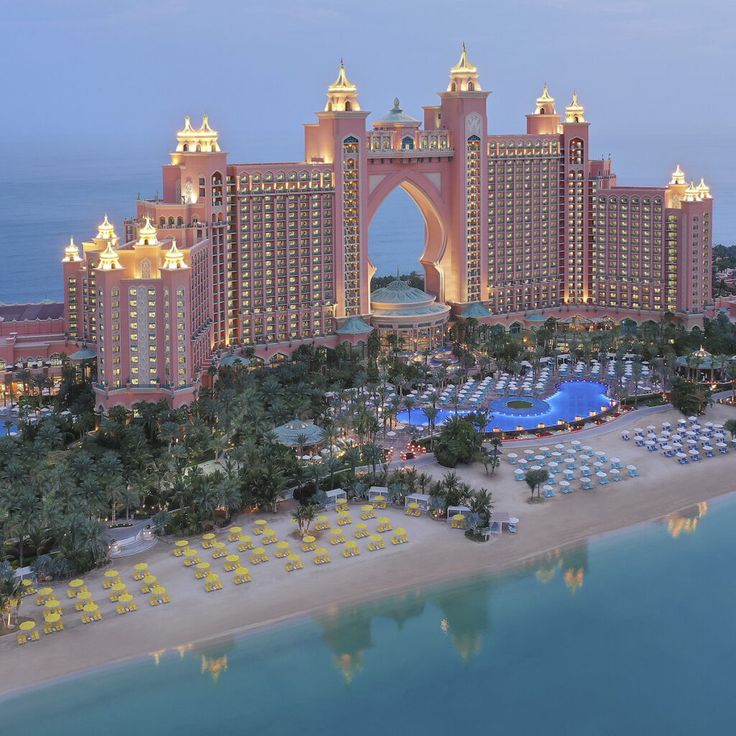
[338, 138]
[463, 113]
[544, 120]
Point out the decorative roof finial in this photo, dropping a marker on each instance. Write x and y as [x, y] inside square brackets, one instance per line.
[109, 259]
[678, 176]
[174, 258]
[71, 252]
[574, 112]
[545, 103]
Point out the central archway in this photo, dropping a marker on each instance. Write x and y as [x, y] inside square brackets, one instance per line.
[424, 190]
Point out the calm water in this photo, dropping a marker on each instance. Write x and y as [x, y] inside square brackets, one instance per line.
[53, 194]
[573, 399]
[634, 633]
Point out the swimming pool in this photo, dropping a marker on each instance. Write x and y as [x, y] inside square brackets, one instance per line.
[573, 399]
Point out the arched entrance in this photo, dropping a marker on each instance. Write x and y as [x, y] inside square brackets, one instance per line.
[425, 191]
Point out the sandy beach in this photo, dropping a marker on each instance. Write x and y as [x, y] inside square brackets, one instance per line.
[435, 553]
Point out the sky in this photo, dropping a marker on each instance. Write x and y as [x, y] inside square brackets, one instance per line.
[655, 76]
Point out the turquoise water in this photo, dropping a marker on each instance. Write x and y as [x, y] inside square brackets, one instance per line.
[629, 634]
[573, 399]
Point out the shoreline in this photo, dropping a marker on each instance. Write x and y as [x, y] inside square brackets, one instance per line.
[435, 556]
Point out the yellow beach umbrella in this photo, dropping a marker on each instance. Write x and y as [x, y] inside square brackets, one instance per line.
[321, 551]
[76, 583]
[261, 523]
[84, 596]
[118, 587]
[52, 603]
[212, 576]
[27, 626]
[141, 567]
[52, 618]
[367, 507]
[232, 558]
[293, 557]
[189, 552]
[309, 539]
[400, 530]
[219, 545]
[413, 505]
[376, 538]
[282, 545]
[90, 608]
[150, 579]
[202, 565]
[336, 531]
[181, 543]
[319, 519]
[384, 520]
[259, 551]
[361, 525]
[379, 498]
[209, 535]
[158, 589]
[125, 598]
[46, 591]
[235, 529]
[26, 583]
[111, 574]
[242, 571]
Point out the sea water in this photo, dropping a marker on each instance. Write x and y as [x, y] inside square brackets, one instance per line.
[633, 633]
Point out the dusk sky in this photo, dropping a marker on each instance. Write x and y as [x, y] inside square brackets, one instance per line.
[655, 76]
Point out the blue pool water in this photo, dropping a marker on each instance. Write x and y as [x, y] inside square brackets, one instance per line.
[634, 633]
[573, 399]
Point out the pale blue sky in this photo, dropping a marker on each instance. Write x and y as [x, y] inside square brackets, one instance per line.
[656, 76]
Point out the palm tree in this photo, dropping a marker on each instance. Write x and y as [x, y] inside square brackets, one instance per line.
[535, 479]
[10, 593]
[431, 413]
[730, 426]
[304, 515]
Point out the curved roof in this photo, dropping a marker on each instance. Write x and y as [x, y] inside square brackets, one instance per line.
[475, 311]
[399, 292]
[396, 116]
[233, 359]
[354, 326]
[425, 309]
[83, 354]
[293, 431]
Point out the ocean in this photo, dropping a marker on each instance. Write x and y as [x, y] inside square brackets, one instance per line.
[631, 633]
[49, 195]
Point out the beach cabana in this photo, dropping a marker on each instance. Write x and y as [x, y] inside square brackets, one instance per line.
[336, 496]
[452, 510]
[375, 492]
[419, 498]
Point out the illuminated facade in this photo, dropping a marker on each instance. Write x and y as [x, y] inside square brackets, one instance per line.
[276, 255]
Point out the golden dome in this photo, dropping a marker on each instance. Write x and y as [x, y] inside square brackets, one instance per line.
[147, 233]
[109, 260]
[174, 258]
[105, 230]
[71, 252]
[574, 112]
[678, 176]
[545, 103]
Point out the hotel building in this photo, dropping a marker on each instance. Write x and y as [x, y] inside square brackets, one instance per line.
[272, 256]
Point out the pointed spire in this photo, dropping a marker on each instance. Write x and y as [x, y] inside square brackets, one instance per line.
[71, 252]
[703, 189]
[109, 260]
[147, 233]
[174, 258]
[678, 176]
[202, 140]
[342, 94]
[545, 103]
[105, 230]
[691, 193]
[574, 112]
[464, 75]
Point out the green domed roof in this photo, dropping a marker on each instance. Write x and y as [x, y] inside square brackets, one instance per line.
[396, 116]
[292, 432]
[399, 292]
[83, 354]
[475, 310]
[354, 326]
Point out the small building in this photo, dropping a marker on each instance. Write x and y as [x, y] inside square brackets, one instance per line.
[703, 366]
[299, 434]
[411, 314]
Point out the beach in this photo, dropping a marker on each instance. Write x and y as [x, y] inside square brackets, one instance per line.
[435, 553]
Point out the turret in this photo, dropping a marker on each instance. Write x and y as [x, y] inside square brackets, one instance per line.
[106, 231]
[202, 140]
[71, 253]
[574, 112]
[174, 258]
[147, 234]
[678, 176]
[109, 260]
[342, 94]
[464, 75]
[544, 120]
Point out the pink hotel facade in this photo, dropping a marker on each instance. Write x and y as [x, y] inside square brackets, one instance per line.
[276, 255]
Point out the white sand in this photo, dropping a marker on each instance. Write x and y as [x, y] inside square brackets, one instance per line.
[435, 552]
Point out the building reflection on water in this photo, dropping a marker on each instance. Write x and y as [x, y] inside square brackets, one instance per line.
[569, 563]
[686, 521]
